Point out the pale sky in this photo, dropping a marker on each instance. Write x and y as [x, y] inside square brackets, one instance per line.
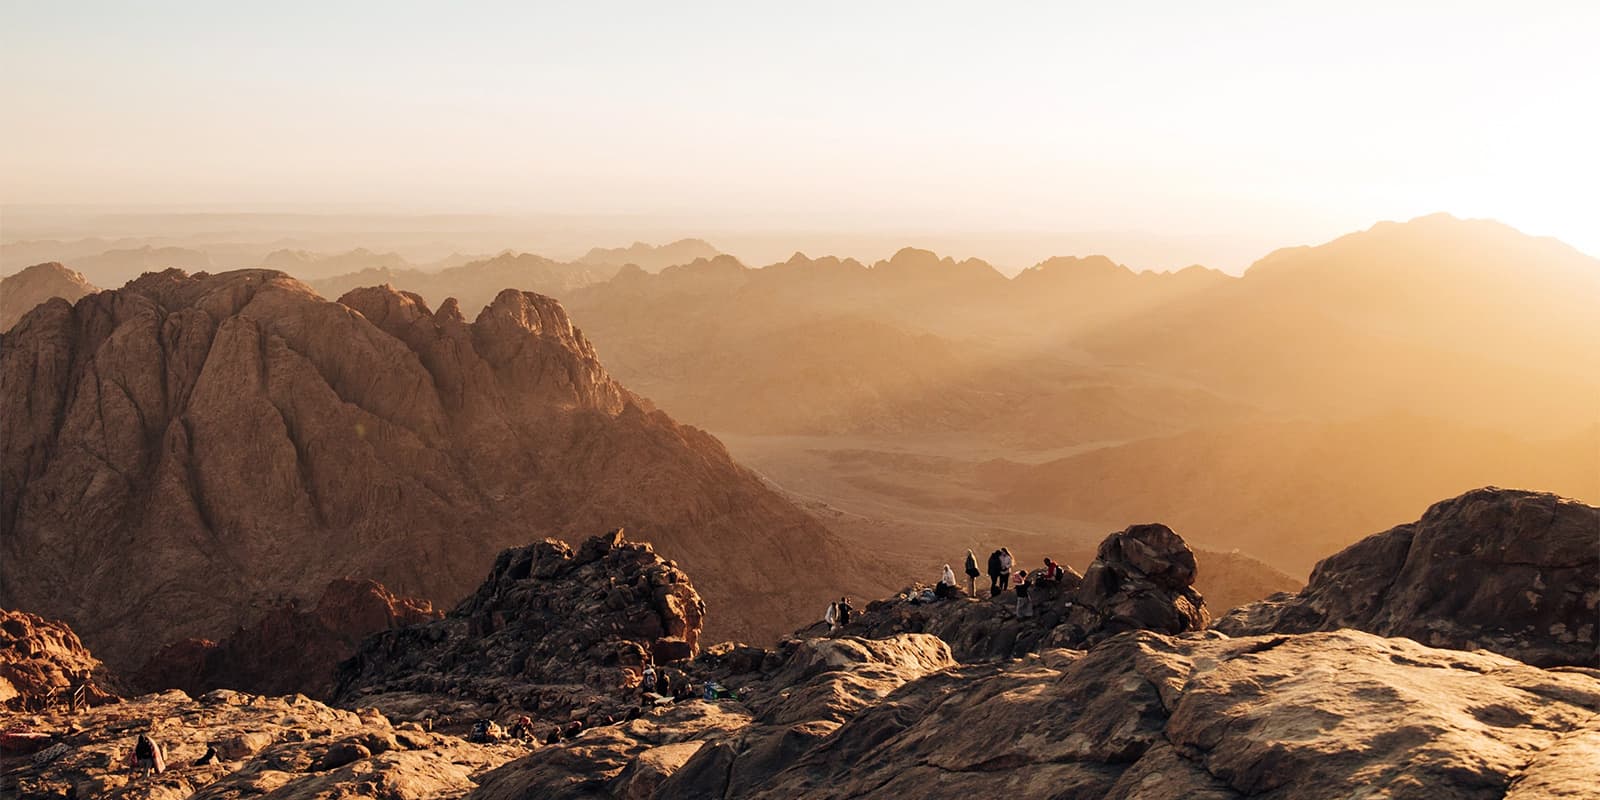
[1291, 120]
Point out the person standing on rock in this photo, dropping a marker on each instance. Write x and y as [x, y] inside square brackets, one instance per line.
[147, 756]
[844, 611]
[831, 616]
[995, 571]
[972, 573]
[647, 684]
[1024, 602]
[1006, 562]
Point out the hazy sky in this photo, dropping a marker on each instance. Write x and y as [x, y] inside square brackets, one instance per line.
[1291, 120]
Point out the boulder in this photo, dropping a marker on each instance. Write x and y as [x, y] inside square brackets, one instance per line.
[42, 662]
[1141, 579]
[1515, 572]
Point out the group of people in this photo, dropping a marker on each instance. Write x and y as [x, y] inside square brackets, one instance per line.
[1001, 577]
[838, 614]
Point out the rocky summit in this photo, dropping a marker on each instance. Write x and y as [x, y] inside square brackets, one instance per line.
[1510, 571]
[1144, 702]
[37, 284]
[555, 632]
[188, 452]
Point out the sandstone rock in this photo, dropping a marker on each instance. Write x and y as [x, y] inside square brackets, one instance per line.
[1141, 579]
[342, 753]
[551, 631]
[1510, 571]
[187, 450]
[21, 292]
[42, 662]
[242, 746]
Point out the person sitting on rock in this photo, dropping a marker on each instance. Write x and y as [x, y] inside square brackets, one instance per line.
[946, 587]
[523, 729]
[572, 730]
[1024, 602]
[1052, 570]
[972, 573]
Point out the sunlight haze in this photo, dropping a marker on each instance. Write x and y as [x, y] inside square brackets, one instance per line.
[1257, 123]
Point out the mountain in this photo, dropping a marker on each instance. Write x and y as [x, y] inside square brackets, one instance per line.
[1438, 316]
[650, 258]
[912, 344]
[19, 293]
[1289, 493]
[229, 441]
[118, 266]
[476, 283]
[308, 266]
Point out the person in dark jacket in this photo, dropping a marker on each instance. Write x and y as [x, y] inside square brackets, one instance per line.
[844, 611]
[997, 575]
[972, 573]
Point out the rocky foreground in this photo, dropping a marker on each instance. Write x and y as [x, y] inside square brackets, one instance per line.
[1116, 688]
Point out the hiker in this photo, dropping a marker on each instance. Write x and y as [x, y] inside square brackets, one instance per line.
[831, 616]
[1006, 563]
[946, 588]
[648, 684]
[573, 728]
[1052, 570]
[554, 737]
[1024, 603]
[949, 577]
[210, 756]
[995, 572]
[972, 573]
[523, 729]
[844, 611]
[147, 756]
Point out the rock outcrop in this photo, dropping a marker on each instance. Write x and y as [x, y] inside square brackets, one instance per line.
[282, 748]
[554, 632]
[1510, 571]
[42, 662]
[1141, 579]
[39, 283]
[290, 651]
[188, 450]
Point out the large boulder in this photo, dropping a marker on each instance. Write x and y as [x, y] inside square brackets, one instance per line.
[551, 631]
[1142, 578]
[1515, 572]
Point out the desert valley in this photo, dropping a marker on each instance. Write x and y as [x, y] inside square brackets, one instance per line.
[840, 401]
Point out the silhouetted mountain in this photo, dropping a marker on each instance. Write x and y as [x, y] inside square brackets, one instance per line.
[19, 293]
[474, 284]
[651, 258]
[115, 267]
[308, 266]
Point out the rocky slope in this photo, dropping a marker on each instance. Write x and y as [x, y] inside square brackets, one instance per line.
[289, 651]
[188, 450]
[869, 711]
[1510, 571]
[553, 632]
[42, 661]
[19, 293]
[285, 748]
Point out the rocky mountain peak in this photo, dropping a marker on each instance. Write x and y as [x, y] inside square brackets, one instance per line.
[22, 291]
